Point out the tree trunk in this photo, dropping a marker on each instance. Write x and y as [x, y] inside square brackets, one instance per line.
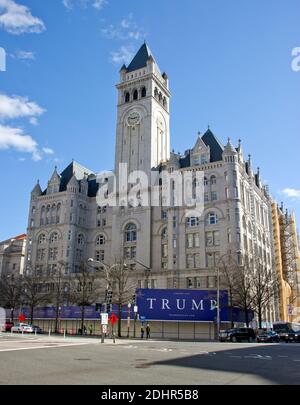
[12, 314]
[260, 317]
[31, 313]
[82, 318]
[56, 318]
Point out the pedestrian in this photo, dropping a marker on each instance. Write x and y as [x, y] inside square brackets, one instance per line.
[148, 331]
[142, 332]
[84, 330]
[91, 330]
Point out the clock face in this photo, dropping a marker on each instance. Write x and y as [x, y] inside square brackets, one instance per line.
[133, 119]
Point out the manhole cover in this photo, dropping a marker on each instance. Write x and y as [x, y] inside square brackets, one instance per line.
[83, 359]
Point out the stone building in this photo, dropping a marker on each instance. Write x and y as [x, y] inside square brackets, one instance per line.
[164, 247]
[12, 255]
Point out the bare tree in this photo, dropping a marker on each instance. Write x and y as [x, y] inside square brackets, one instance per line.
[264, 286]
[228, 268]
[243, 291]
[59, 289]
[84, 289]
[10, 291]
[123, 285]
[33, 294]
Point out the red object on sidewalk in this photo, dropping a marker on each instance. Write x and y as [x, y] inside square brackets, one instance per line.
[22, 318]
[113, 318]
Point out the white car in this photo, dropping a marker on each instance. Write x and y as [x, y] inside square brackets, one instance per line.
[22, 327]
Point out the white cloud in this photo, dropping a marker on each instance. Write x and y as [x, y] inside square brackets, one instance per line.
[16, 139]
[291, 193]
[17, 19]
[124, 55]
[97, 4]
[48, 151]
[17, 107]
[23, 55]
[127, 29]
[68, 4]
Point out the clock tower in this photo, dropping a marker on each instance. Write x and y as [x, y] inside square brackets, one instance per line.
[143, 131]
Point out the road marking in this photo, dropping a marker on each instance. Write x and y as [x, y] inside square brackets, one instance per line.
[43, 347]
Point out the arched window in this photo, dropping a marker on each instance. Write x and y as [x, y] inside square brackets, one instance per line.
[135, 95]
[205, 181]
[143, 92]
[211, 218]
[100, 240]
[127, 97]
[80, 239]
[213, 180]
[54, 237]
[156, 92]
[130, 233]
[42, 239]
[164, 102]
[160, 97]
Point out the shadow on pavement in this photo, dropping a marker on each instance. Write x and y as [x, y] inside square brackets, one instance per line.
[277, 363]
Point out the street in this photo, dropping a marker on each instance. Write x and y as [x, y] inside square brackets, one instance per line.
[55, 360]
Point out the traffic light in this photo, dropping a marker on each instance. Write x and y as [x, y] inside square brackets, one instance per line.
[108, 296]
[133, 299]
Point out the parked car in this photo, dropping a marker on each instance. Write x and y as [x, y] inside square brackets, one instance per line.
[268, 337]
[37, 329]
[238, 335]
[7, 326]
[293, 337]
[22, 327]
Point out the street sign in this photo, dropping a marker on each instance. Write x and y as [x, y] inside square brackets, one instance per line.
[104, 319]
[135, 309]
[22, 318]
[113, 318]
[142, 318]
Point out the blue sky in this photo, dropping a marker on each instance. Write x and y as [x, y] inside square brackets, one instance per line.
[229, 65]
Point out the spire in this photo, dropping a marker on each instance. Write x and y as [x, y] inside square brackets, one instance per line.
[37, 189]
[141, 58]
[229, 149]
[55, 178]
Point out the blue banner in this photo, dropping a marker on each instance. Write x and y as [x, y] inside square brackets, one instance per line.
[155, 304]
[181, 305]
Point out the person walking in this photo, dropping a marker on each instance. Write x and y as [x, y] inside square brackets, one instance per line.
[148, 331]
[142, 332]
[91, 330]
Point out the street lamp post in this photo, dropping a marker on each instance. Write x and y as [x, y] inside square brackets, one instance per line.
[128, 320]
[148, 269]
[107, 270]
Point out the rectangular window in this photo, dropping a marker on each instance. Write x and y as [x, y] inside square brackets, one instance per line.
[190, 239]
[214, 196]
[165, 250]
[196, 240]
[190, 261]
[164, 215]
[206, 197]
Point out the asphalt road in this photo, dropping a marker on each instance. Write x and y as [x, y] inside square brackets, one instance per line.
[54, 360]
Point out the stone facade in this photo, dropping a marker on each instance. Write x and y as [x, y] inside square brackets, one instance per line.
[12, 255]
[163, 247]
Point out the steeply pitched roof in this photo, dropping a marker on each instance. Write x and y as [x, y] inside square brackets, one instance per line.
[140, 59]
[76, 169]
[216, 148]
